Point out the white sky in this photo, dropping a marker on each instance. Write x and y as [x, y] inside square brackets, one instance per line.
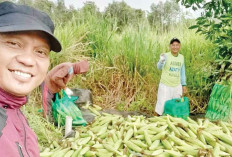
[138, 4]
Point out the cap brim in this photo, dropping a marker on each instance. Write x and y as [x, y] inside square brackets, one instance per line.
[28, 23]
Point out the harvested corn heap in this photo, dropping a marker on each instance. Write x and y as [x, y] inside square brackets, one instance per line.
[114, 135]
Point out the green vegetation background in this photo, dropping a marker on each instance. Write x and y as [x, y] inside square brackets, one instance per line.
[123, 46]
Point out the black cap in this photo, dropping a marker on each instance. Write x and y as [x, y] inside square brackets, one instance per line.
[174, 39]
[15, 18]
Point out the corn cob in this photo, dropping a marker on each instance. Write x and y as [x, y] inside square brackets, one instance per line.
[174, 153]
[139, 143]
[98, 108]
[191, 134]
[224, 154]
[141, 137]
[224, 137]
[98, 146]
[188, 150]
[166, 144]
[118, 144]
[172, 127]
[228, 147]
[83, 141]
[208, 136]
[102, 130]
[60, 152]
[94, 111]
[111, 149]
[104, 153]
[157, 152]
[147, 138]
[133, 146]
[69, 153]
[158, 136]
[90, 154]
[177, 140]
[216, 150]
[129, 134]
[191, 121]
[182, 132]
[224, 128]
[154, 145]
[84, 150]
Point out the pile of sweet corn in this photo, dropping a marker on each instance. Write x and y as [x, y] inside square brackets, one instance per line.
[164, 136]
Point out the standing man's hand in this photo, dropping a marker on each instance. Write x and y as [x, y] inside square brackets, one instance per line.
[184, 89]
[162, 57]
[58, 77]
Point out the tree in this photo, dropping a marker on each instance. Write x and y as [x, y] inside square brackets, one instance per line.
[118, 11]
[123, 14]
[90, 8]
[163, 15]
[45, 5]
[138, 16]
[216, 24]
[57, 11]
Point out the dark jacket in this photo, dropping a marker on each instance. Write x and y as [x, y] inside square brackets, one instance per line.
[17, 139]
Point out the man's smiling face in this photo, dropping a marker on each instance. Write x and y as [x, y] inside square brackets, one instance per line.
[175, 48]
[24, 61]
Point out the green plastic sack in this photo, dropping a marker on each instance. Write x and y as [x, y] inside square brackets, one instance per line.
[220, 103]
[177, 108]
[65, 106]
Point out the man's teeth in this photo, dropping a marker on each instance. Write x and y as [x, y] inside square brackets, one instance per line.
[22, 74]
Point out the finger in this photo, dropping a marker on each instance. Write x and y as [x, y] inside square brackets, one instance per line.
[57, 68]
[54, 88]
[67, 78]
[60, 83]
[60, 74]
[81, 67]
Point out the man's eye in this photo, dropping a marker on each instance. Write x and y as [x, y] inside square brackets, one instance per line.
[42, 53]
[12, 43]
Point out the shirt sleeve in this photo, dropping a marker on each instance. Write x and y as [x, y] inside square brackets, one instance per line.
[47, 98]
[183, 76]
[161, 63]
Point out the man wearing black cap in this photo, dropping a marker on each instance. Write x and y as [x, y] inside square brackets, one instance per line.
[26, 39]
[173, 79]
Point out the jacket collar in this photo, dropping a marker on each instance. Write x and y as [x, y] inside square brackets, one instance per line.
[8, 100]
